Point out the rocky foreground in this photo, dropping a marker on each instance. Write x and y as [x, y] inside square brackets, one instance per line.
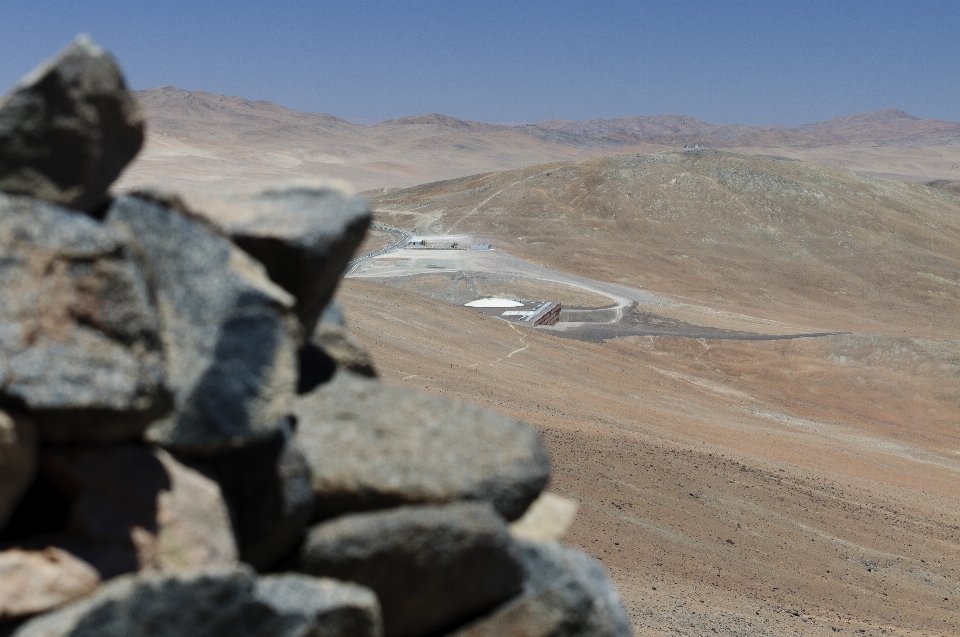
[191, 443]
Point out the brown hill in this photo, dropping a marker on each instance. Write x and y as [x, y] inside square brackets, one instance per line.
[891, 126]
[789, 487]
[173, 109]
[812, 245]
[644, 127]
[438, 120]
[196, 139]
[806, 487]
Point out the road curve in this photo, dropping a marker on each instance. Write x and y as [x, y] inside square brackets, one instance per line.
[403, 238]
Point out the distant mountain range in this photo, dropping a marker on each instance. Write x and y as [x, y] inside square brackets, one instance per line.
[891, 126]
[196, 138]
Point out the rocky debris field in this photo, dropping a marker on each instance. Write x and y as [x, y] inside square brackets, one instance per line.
[192, 443]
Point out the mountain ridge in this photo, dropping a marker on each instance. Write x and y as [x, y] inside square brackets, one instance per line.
[861, 127]
[197, 138]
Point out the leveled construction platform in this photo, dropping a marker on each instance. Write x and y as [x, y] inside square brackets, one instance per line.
[516, 311]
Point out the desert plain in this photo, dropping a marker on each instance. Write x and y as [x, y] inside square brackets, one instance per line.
[754, 393]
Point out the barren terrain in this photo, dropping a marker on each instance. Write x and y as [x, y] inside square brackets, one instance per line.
[820, 247]
[797, 487]
[196, 140]
[800, 486]
[803, 486]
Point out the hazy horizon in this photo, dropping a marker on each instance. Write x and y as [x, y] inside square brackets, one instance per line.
[747, 62]
[373, 122]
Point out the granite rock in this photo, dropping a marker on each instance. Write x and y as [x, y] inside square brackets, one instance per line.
[372, 445]
[69, 128]
[228, 332]
[303, 235]
[339, 609]
[566, 593]
[135, 508]
[79, 341]
[431, 566]
[218, 602]
[34, 582]
[18, 461]
[267, 486]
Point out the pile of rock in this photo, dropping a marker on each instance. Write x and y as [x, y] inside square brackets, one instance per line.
[191, 443]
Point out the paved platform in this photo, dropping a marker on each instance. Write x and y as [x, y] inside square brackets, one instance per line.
[517, 311]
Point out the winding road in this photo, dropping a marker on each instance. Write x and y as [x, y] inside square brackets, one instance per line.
[404, 237]
[633, 312]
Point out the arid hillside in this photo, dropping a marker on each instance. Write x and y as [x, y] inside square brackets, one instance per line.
[798, 487]
[888, 127]
[802, 486]
[197, 139]
[822, 247]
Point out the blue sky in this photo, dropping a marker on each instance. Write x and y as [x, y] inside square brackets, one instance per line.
[725, 61]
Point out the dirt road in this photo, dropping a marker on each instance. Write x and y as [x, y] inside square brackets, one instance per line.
[631, 311]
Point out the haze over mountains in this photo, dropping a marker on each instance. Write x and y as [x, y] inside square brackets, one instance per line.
[197, 138]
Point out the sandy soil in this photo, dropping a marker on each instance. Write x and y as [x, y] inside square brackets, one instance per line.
[802, 487]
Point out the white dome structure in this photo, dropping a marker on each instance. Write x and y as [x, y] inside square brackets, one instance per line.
[493, 302]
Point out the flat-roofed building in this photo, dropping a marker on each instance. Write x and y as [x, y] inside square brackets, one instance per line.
[517, 311]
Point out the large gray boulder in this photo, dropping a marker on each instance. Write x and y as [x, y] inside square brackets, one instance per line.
[134, 507]
[432, 567]
[566, 593]
[339, 609]
[229, 333]
[372, 445]
[69, 128]
[303, 235]
[220, 602]
[37, 581]
[79, 342]
[268, 488]
[18, 461]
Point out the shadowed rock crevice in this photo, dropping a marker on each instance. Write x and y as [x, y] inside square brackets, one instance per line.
[316, 367]
[42, 510]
